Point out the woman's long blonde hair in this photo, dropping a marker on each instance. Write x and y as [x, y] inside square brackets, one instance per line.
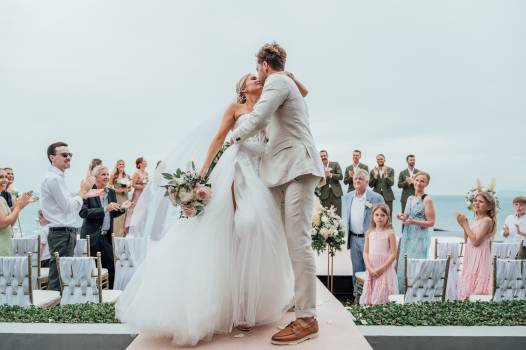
[492, 211]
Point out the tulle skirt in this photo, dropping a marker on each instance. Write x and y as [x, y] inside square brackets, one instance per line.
[226, 267]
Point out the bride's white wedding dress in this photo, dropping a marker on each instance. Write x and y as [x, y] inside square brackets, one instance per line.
[226, 267]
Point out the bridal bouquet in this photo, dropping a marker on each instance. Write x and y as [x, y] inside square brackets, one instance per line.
[470, 196]
[327, 230]
[123, 182]
[185, 189]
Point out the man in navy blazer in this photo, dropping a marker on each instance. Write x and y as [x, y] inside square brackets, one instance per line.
[357, 208]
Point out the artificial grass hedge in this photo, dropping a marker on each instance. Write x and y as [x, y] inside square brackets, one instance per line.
[78, 313]
[457, 313]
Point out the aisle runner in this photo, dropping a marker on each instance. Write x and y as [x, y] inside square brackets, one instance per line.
[337, 331]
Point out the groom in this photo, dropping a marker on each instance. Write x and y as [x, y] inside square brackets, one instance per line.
[291, 168]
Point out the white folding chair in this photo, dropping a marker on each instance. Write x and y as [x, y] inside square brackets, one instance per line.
[27, 244]
[509, 281]
[16, 286]
[505, 250]
[425, 281]
[77, 283]
[128, 253]
[453, 250]
[83, 249]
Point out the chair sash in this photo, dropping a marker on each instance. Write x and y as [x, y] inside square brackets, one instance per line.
[22, 246]
[79, 284]
[14, 281]
[81, 248]
[505, 250]
[510, 280]
[453, 250]
[129, 253]
[425, 280]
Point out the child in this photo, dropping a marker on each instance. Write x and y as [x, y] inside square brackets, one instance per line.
[379, 256]
[514, 229]
[476, 273]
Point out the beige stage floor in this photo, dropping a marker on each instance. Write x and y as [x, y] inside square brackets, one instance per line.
[337, 331]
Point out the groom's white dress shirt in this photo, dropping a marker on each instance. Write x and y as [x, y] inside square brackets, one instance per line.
[59, 207]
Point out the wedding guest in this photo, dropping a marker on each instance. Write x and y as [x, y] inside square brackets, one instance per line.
[382, 179]
[353, 168]
[406, 179]
[61, 208]
[418, 217]
[7, 194]
[10, 183]
[98, 214]
[44, 247]
[9, 216]
[379, 256]
[357, 207]
[331, 193]
[514, 229]
[121, 183]
[139, 181]
[92, 164]
[476, 269]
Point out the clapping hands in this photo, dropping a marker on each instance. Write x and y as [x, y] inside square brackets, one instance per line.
[461, 219]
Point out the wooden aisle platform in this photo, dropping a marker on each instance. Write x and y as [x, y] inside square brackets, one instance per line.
[337, 331]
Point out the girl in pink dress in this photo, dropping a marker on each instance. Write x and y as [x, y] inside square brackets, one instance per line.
[476, 272]
[379, 256]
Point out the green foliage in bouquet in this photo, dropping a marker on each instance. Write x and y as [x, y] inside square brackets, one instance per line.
[456, 313]
[327, 230]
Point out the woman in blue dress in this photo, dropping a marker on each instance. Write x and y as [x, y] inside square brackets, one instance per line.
[418, 217]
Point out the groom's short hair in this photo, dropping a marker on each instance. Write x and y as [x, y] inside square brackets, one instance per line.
[273, 54]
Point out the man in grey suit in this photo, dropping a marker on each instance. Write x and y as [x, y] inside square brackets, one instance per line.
[291, 168]
[381, 181]
[406, 178]
[353, 168]
[357, 208]
[331, 193]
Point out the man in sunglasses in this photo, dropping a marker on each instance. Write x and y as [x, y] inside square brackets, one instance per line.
[61, 208]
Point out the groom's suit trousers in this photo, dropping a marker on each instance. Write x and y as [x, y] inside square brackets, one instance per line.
[296, 199]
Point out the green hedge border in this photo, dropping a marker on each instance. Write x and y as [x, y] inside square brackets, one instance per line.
[458, 313]
[78, 313]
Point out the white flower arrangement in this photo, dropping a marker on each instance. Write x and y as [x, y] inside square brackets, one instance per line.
[470, 196]
[327, 230]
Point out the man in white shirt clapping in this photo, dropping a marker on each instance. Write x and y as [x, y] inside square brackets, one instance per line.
[60, 208]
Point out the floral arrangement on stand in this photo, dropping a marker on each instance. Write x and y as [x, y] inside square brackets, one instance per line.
[327, 234]
[470, 196]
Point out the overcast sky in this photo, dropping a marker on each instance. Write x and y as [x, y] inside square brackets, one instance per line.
[445, 80]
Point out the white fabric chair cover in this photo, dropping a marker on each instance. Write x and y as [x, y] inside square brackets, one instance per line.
[79, 284]
[14, 281]
[81, 248]
[425, 280]
[453, 250]
[505, 250]
[22, 246]
[129, 253]
[511, 280]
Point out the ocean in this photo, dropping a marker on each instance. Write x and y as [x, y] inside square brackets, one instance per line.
[445, 207]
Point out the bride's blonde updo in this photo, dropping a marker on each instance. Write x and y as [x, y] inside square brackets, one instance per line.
[240, 86]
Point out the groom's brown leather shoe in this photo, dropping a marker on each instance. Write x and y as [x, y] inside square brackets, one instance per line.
[296, 332]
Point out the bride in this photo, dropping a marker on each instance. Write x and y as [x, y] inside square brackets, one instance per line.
[228, 267]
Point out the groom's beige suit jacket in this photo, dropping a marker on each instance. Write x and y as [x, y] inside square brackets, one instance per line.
[290, 151]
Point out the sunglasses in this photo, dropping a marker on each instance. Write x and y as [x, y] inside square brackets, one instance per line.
[66, 154]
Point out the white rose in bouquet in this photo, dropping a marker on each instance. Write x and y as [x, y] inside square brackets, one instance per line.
[186, 196]
[324, 219]
[325, 232]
